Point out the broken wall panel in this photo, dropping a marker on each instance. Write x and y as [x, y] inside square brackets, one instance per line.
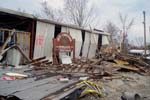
[93, 46]
[93, 38]
[86, 44]
[43, 41]
[76, 34]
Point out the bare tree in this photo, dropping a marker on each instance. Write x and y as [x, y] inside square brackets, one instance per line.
[79, 12]
[51, 13]
[113, 30]
[125, 28]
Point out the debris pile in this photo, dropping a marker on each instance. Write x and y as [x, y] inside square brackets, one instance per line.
[105, 68]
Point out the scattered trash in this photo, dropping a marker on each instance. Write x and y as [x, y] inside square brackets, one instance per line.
[16, 75]
[8, 78]
[92, 88]
[83, 78]
[64, 80]
[65, 59]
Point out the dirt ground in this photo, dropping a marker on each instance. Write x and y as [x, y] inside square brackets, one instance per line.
[135, 83]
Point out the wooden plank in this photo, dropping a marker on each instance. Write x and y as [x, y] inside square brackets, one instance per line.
[35, 60]
[19, 49]
[40, 62]
[132, 68]
[23, 53]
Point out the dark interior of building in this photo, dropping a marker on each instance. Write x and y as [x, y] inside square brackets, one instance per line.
[20, 23]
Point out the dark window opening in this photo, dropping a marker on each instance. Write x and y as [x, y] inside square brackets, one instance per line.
[83, 35]
[3, 37]
[57, 30]
[83, 39]
[99, 41]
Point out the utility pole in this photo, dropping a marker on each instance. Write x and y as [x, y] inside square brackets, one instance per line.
[144, 32]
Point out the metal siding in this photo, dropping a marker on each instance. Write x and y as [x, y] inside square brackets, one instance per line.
[93, 46]
[86, 44]
[43, 41]
[93, 38]
[76, 34]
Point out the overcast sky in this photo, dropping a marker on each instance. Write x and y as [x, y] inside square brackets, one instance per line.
[107, 10]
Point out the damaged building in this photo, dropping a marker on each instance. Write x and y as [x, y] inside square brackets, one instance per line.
[35, 35]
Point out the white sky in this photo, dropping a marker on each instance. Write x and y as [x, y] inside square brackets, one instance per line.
[107, 10]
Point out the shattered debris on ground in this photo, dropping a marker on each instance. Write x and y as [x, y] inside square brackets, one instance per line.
[115, 73]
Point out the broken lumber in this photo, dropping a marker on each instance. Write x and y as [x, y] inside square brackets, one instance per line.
[35, 61]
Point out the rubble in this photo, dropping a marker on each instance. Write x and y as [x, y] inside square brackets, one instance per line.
[115, 72]
[99, 70]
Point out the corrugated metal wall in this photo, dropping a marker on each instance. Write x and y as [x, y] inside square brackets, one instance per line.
[93, 38]
[43, 41]
[45, 34]
[93, 46]
[76, 34]
[86, 44]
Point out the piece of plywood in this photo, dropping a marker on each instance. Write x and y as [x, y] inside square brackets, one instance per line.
[23, 40]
